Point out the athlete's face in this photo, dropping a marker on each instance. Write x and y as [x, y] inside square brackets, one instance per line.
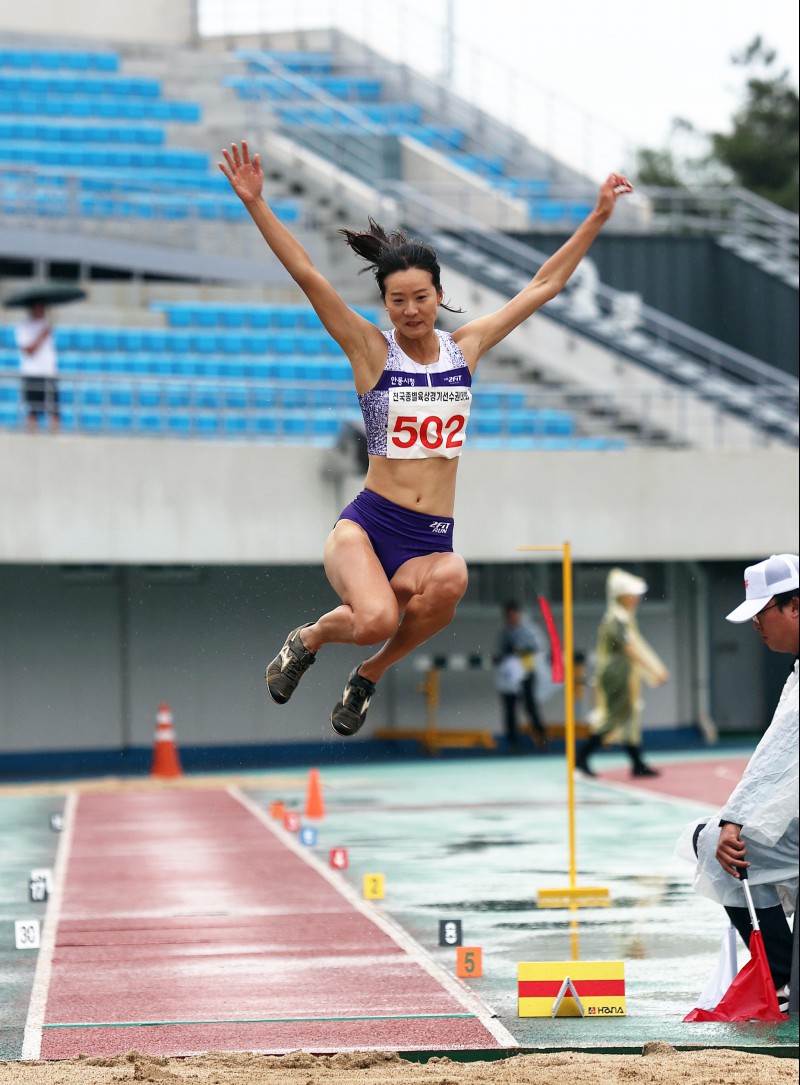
[412, 301]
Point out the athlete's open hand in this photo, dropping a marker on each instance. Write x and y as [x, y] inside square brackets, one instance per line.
[245, 176]
[615, 185]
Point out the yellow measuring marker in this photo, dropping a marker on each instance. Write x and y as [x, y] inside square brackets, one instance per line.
[568, 896]
[571, 989]
[374, 886]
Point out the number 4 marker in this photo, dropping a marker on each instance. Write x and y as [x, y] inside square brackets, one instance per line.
[338, 858]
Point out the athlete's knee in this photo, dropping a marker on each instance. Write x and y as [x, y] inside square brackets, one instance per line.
[448, 581]
[373, 625]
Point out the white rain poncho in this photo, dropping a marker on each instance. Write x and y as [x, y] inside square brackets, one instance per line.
[765, 804]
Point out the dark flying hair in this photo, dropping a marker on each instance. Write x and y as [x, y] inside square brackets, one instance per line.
[386, 253]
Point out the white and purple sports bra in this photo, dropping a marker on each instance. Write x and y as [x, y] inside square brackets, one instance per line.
[416, 411]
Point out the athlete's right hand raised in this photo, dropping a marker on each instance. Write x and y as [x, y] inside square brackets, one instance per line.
[246, 177]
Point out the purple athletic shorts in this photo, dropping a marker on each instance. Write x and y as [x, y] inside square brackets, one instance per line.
[397, 533]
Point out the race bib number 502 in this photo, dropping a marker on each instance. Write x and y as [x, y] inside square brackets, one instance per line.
[427, 422]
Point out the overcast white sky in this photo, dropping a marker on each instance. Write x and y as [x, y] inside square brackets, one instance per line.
[627, 69]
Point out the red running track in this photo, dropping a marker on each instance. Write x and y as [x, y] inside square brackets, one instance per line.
[188, 925]
[710, 782]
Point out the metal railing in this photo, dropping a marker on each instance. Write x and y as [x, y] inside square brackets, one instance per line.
[283, 412]
[424, 46]
[667, 346]
[736, 217]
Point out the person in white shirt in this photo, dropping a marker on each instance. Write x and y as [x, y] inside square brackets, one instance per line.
[38, 363]
[757, 827]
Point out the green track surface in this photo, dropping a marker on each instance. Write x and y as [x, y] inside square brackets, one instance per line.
[475, 840]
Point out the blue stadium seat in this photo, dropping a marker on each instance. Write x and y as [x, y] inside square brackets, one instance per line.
[234, 396]
[487, 423]
[178, 395]
[148, 422]
[206, 425]
[120, 394]
[265, 425]
[306, 63]
[234, 425]
[179, 424]
[120, 421]
[295, 425]
[92, 421]
[264, 398]
[91, 394]
[325, 425]
[148, 395]
[207, 396]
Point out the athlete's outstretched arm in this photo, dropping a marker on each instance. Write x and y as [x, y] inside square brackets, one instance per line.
[482, 334]
[361, 341]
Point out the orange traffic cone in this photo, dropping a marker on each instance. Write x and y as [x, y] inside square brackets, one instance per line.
[165, 755]
[315, 807]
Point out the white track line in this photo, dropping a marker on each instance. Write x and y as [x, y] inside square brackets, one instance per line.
[399, 936]
[32, 1038]
[645, 792]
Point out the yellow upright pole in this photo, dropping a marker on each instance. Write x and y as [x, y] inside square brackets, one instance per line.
[572, 896]
[569, 735]
[569, 705]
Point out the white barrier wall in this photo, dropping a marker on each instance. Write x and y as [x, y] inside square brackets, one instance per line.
[88, 654]
[162, 21]
[68, 499]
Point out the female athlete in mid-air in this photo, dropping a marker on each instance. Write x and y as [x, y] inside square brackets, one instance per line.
[390, 556]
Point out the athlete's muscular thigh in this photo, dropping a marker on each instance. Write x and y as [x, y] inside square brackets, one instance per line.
[353, 569]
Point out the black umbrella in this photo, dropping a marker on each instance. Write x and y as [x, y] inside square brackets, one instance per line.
[47, 293]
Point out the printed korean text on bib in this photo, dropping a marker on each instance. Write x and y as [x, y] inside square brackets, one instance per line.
[427, 421]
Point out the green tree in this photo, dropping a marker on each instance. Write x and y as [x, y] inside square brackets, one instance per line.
[760, 153]
[762, 148]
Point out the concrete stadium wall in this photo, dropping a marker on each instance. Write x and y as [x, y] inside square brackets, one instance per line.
[135, 571]
[73, 499]
[87, 655]
[162, 21]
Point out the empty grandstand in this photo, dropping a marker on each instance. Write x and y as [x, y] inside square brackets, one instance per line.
[148, 553]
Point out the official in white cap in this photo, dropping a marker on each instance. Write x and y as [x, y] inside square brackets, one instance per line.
[757, 827]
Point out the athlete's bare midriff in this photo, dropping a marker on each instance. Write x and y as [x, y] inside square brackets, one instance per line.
[427, 485]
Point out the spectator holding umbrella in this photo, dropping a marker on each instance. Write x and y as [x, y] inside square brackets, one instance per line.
[38, 358]
[38, 363]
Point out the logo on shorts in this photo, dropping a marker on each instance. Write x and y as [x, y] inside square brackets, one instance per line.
[439, 527]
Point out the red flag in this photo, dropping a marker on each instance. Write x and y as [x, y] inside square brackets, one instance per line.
[556, 658]
[751, 996]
